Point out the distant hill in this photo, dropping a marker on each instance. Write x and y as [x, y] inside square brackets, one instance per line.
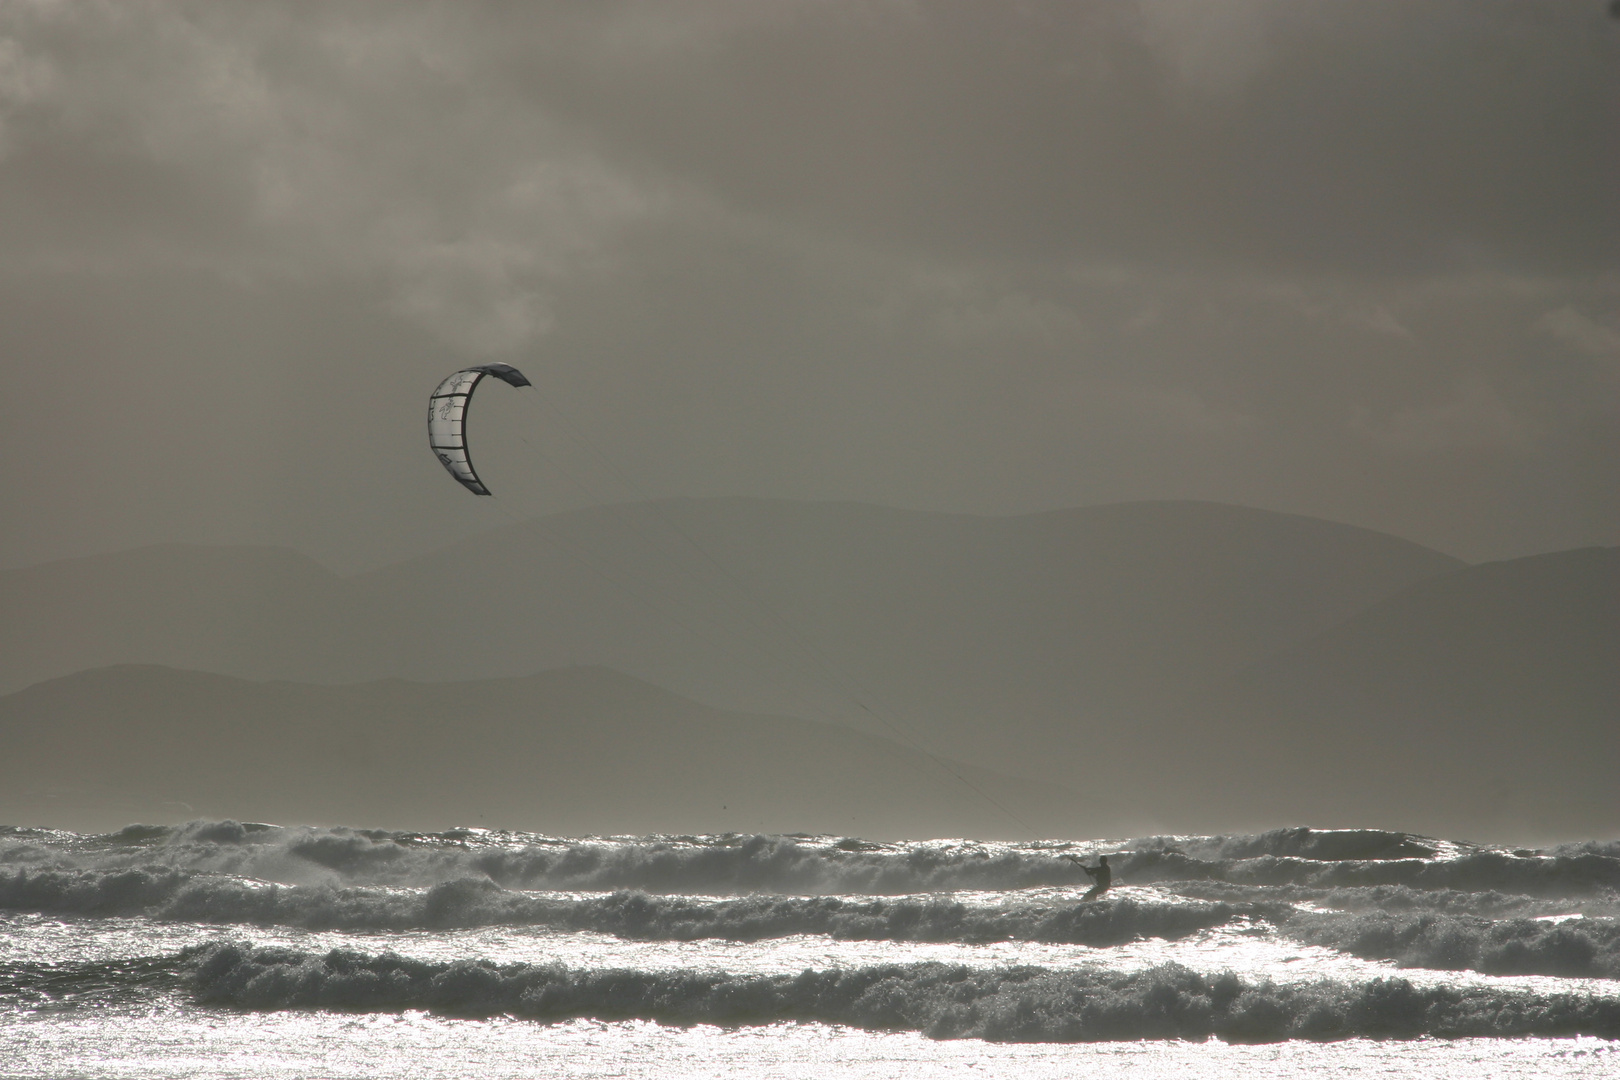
[1186, 666]
[576, 751]
[1052, 646]
[1022, 643]
[261, 612]
[1484, 703]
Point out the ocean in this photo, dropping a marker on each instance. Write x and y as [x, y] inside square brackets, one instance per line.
[227, 949]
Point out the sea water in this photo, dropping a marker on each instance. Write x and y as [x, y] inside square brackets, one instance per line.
[229, 949]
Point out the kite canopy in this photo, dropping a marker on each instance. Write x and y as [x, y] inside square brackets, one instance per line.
[447, 419]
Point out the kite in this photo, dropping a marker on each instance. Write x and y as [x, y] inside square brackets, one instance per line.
[447, 419]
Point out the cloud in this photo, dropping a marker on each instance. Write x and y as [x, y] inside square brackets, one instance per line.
[1585, 335]
[961, 307]
[1210, 47]
[245, 139]
[1374, 138]
[986, 257]
[1184, 409]
[1379, 137]
[1475, 419]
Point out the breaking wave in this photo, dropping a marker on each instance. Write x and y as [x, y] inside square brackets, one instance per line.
[1490, 904]
[169, 894]
[1377, 895]
[1570, 946]
[810, 865]
[1528, 873]
[941, 1001]
[1576, 948]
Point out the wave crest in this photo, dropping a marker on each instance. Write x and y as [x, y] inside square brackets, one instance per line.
[1584, 948]
[165, 893]
[941, 1001]
[807, 865]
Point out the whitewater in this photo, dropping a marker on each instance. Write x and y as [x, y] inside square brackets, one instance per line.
[254, 950]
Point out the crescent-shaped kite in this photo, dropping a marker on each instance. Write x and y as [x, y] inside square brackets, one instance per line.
[447, 419]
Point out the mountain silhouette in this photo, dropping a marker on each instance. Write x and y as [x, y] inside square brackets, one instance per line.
[259, 612]
[576, 751]
[1482, 703]
[1019, 643]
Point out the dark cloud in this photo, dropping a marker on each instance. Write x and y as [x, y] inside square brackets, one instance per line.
[1385, 137]
[1348, 259]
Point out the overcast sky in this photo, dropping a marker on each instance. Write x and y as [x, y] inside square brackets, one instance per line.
[1359, 260]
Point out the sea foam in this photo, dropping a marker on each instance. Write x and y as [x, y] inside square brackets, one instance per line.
[814, 865]
[942, 1001]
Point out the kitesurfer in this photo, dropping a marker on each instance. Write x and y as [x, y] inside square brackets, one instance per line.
[1103, 876]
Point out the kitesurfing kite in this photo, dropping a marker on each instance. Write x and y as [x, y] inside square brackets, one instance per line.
[447, 419]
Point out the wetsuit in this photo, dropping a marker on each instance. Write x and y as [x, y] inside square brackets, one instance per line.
[1103, 876]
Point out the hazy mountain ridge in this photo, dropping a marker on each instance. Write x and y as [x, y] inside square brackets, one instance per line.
[1487, 699]
[985, 633]
[258, 612]
[574, 751]
[1189, 665]
[1146, 569]
[832, 611]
